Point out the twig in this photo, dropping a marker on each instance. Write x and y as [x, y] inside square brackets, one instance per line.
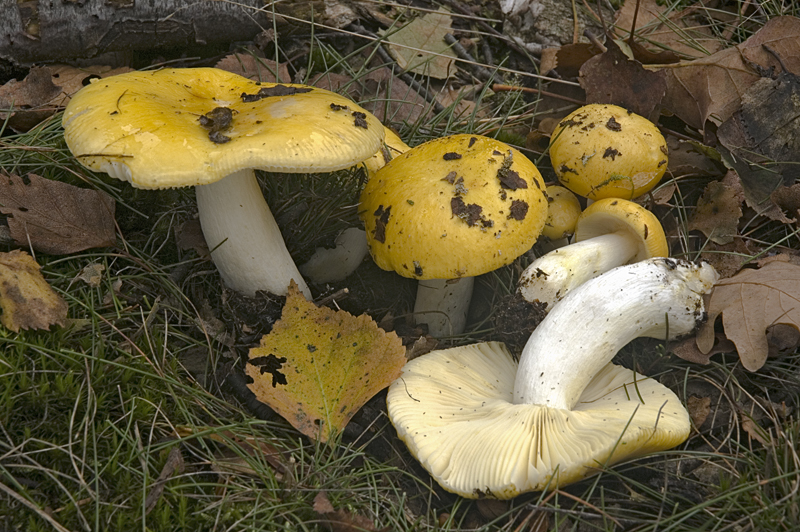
[458, 6]
[497, 87]
[477, 70]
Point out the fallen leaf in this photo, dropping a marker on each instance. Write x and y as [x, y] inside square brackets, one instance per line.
[26, 299]
[719, 209]
[319, 366]
[613, 78]
[727, 259]
[419, 46]
[762, 137]
[341, 520]
[754, 431]
[687, 349]
[660, 28]
[711, 88]
[787, 202]
[92, 274]
[44, 91]
[173, 465]
[750, 302]
[56, 217]
[699, 408]
[567, 59]
[255, 68]
[390, 99]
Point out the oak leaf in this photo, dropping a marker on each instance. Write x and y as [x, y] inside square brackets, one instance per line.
[55, 217]
[751, 302]
[26, 299]
[319, 366]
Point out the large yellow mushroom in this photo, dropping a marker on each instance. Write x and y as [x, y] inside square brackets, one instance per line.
[209, 128]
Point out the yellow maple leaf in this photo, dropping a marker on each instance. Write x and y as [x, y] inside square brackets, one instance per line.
[318, 366]
[28, 302]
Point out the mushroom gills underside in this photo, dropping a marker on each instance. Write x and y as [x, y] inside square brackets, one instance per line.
[454, 410]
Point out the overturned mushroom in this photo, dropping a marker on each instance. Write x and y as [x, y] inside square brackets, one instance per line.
[484, 426]
[209, 128]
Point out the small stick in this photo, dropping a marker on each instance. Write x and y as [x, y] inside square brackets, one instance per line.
[327, 299]
[503, 88]
[479, 72]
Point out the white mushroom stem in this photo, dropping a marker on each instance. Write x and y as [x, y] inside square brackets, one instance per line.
[246, 244]
[660, 298]
[550, 277]
[443, 305]
[336, 264]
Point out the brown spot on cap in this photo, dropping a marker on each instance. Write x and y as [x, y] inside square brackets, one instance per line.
[451, 156]
[277, 90]
[472, 141]
[613, 125]
[337, 107]
[565, 169]
[450, 178]
[381, 219]
[510, 179]
[469, 212]
[417, 269]
[518, 210]
[611, 152]
[360, 119]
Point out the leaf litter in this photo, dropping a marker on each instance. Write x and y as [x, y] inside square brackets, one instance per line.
[318, 366]
[26, 299]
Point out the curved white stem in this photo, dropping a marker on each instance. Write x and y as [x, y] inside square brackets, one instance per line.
[246, 243]
[550, 277]
[659, 298]
[443, 305]
[332, 265]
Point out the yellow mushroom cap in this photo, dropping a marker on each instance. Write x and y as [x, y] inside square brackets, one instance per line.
[563, 209]
[194, 126]
[392, 146]
[611, 215]
[605, 151]
[457, 206]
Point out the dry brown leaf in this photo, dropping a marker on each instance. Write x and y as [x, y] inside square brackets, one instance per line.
[419, 46]
[762, 138]
[750, 302]
[727, 259]
[173, 465]
[319, 366]
[44, 91]
[255, 68]
[56, 217]
[687, 349]
[787, 203]
[613, 78]
[26, 299]
[719, 209]
[699, 408]
[567, 59]
[341, 520]
[685, 32]
[711, 88]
